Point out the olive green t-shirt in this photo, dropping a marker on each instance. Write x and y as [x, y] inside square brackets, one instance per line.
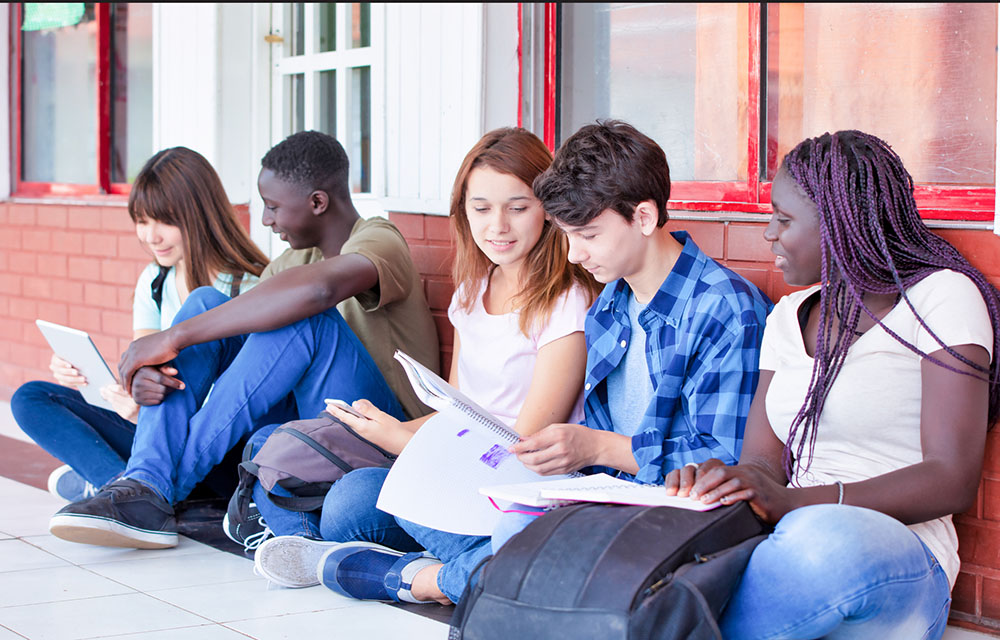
[391, 315]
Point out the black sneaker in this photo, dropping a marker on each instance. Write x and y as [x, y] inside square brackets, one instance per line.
[247, 529]
[124, 513]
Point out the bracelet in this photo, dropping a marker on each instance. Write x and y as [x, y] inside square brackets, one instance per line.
[840, 488]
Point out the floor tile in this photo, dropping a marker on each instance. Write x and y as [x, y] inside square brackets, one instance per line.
[17, 555]
[232, 601]
[95, 617]
[368, 620]
[206, 632]
[91, 554]
[173, 571]
[52, 585]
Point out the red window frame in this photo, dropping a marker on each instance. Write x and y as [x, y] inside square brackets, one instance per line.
[102, 185]
[935, 201]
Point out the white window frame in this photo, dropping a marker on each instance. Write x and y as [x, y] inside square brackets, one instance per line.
[283, 65]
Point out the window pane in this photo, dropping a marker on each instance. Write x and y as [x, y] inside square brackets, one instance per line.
[931, 94]
[361, 24]
[131, 89]
[676, 71]
[297, 29]
[360, 127]
[326, 19]
[296, 92]
[327, 108]
[59, 99]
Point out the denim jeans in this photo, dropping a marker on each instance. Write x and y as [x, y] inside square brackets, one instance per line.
[282, 522]
[254, 376]
[349, 514]
[95, 442]
[839, 572]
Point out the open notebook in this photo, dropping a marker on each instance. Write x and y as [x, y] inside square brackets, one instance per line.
[596, 488]
[435, 481]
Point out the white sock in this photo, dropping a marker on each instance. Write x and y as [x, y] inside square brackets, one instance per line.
[409, 572]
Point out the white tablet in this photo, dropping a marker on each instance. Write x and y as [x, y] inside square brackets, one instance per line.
[76, 347]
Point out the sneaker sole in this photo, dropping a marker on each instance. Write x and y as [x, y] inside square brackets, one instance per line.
[290, 561]
[104, 532]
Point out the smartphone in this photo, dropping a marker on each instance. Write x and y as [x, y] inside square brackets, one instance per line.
[340, 404]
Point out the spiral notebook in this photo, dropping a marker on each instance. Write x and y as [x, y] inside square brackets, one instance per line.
[595, 488]
[435, 481]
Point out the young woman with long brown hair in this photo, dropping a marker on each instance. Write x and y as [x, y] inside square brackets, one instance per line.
[519, 351]
[184, 219]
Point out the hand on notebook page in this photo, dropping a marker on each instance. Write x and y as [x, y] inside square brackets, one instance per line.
[558, 448]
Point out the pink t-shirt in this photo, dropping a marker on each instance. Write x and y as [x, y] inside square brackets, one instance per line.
[496, 361]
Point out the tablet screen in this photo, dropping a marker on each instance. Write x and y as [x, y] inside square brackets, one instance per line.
[76, 347]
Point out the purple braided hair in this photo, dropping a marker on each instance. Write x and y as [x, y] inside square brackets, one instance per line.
[873, 239]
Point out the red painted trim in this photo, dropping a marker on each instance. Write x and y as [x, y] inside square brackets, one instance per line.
[753, 102]
[520, 64]
[549, 100]
[102, 13]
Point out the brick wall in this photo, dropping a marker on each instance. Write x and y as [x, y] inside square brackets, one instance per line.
[77, 265]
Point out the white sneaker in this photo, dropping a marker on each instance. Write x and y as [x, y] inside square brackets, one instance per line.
[290, 561]
[69, 485]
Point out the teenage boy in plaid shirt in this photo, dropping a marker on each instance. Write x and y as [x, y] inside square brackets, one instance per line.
[673, 340]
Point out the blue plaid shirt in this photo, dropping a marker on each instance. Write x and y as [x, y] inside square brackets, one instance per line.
[703, 332]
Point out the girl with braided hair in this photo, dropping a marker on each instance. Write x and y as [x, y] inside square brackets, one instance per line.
[867, 431]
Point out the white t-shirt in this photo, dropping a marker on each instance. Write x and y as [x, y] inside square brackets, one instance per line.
[496, 361]
[145, 315]
[870, 423]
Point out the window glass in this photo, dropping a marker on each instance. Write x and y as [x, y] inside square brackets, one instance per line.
[921, 76]
[297, 29]
[131, 89]
[59, 96]
[360, 143]
[326, 18]
[676, 71]
[327, 107]
[361, 24]
[297, 101]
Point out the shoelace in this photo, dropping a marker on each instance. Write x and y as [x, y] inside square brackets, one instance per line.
[89, 491]
[254, 540]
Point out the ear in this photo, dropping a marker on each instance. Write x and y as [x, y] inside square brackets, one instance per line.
[646, 216]
[319, 201]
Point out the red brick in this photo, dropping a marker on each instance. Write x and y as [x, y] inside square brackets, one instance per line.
[69, 242]
[779, 288]
[100, 245]
[84, 269]
[409, 224]
[4, 217]
[51, 216]
[118, 272]
[67, 291]
[53, 266]
[964, 595]
[432, 260]
[57, 312]
[446, 332]
[22, 262]
[709, 236]
[117, 219]
[979, 544]
[126, 297]
[100, 295]
[10, 238]
[991, 461]
[438, 228]
[21, 214]
[4, 305]
[438, 294]
[116, 323]
[980, 247]
[23, 308]
[760, 277]
[746, 242]
[35, 240]
[107, 345]
[10, 284]
[87, 319]
[990, 599]
[3, 261]
[84, 217]
[38, 288]
[129, 247]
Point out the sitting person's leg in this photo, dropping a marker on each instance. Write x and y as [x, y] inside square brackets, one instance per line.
[349, 515]
[94, 442]
[839, 572]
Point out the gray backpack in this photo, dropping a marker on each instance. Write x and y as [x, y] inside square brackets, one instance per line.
[305, 457]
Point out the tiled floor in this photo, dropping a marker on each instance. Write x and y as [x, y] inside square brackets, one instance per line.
[56, 590]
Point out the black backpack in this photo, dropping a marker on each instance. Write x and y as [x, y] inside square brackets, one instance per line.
[605, 572]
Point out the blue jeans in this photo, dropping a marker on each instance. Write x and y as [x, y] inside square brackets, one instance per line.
[95, 442]
[839, 572]
[349, 514]
[255, 377]
[282, 522]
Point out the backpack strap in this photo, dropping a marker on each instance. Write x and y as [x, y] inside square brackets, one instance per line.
[156, 287]
[320, 449]
[234, 287]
